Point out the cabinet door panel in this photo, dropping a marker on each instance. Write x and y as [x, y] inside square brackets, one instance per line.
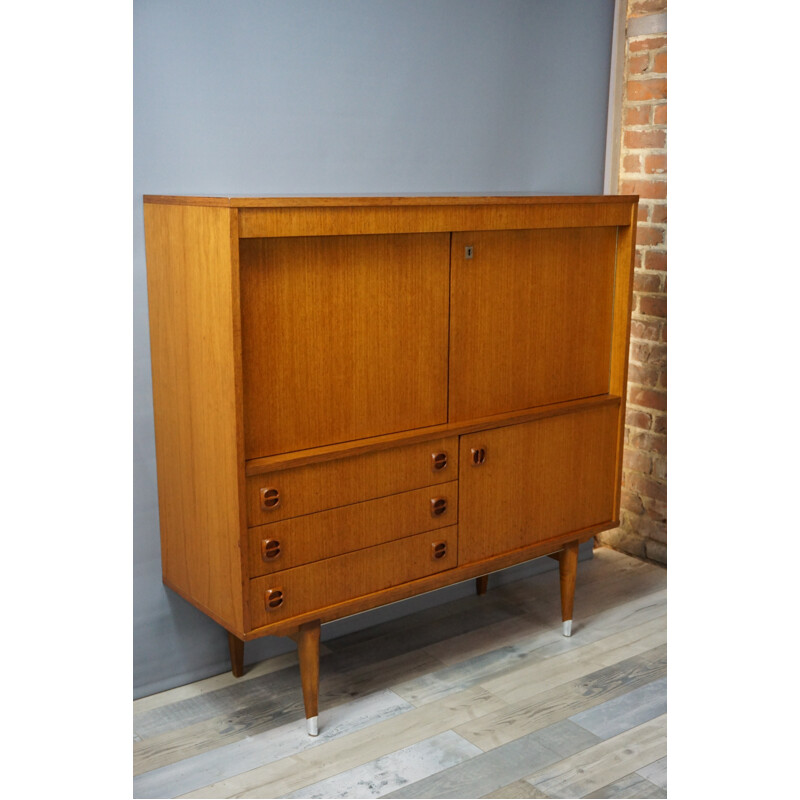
[538, 480]
[343, 337]
[531, 314]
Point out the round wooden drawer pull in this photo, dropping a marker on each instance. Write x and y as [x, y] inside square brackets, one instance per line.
[439, 461]
[270, 549]
[273, 599]
[478, 456]
[270, 498]
[438, 506]
[438, 550]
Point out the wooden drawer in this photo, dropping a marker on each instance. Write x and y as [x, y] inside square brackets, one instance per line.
[335, 580]
[281, 545]
[318, 487]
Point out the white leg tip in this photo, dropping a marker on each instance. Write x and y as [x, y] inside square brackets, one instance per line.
[567, 628]
[311, 722]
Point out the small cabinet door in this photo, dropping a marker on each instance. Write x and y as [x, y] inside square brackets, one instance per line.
[343, 337]
[528, 483]
[530, 318]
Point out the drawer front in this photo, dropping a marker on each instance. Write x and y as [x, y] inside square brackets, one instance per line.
[318, 487]
[325, 583]
[312, 537]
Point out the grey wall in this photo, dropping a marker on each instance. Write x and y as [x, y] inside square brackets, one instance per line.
[346, 97]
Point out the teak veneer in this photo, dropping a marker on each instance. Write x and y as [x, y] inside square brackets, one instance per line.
[361, 399]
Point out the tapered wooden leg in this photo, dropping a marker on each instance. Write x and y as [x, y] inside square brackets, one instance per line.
[236, 646]
[308, 653]
[568, 570]
[482, 584]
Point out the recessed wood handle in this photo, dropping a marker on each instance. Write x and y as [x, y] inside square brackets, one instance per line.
[478, 456]
[270, 498]
[439, 461]
[270, 549]
[438, 550]
[273, 598]
[438, 506]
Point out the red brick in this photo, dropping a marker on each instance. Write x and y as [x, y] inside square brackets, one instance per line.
[655, 531]
[659, 468]
[640, 8]
[648, 487]
[646, 281]
[637, 260]
[652, 306]
[632, 164]
[660, 63]
[650, 43]
[647, 89]
[643, 214]
[640, 351]
[649, 442]
[631, 502]
[648, 235]
[643, 375]
[638, 419]
[660, 424]
[659, 212]
[647, 188]
[656, 509]
[638, 63]
[636, 115]
[648, 398]
[655, 164]
[655, 259]
[658, 354]
[645, 329]
[662, 380]
[648, 353]
[638, 140]
[637, 462]
[659, 114]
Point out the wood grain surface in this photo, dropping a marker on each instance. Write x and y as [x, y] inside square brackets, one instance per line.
[540, 480]
[363, 572]
[326, 534]
[342, 337]
[332, 220]
[330, 484]
[530, 318]
[192, 284]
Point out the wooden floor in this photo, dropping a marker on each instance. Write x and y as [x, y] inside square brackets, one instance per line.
[481, 697]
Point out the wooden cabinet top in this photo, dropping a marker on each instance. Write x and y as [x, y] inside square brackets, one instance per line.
[383, 200]
[272, 217]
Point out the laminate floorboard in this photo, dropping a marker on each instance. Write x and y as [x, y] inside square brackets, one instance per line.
[633, 785]
[481, 697]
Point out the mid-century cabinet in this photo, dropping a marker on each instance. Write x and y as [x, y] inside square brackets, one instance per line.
[361, 399]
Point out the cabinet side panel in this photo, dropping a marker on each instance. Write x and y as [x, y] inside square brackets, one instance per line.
[621, 333]
[192, 296]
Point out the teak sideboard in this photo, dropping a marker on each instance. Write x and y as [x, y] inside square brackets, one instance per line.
[361, 399]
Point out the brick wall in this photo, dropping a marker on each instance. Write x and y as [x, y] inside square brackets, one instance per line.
[643, 171]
